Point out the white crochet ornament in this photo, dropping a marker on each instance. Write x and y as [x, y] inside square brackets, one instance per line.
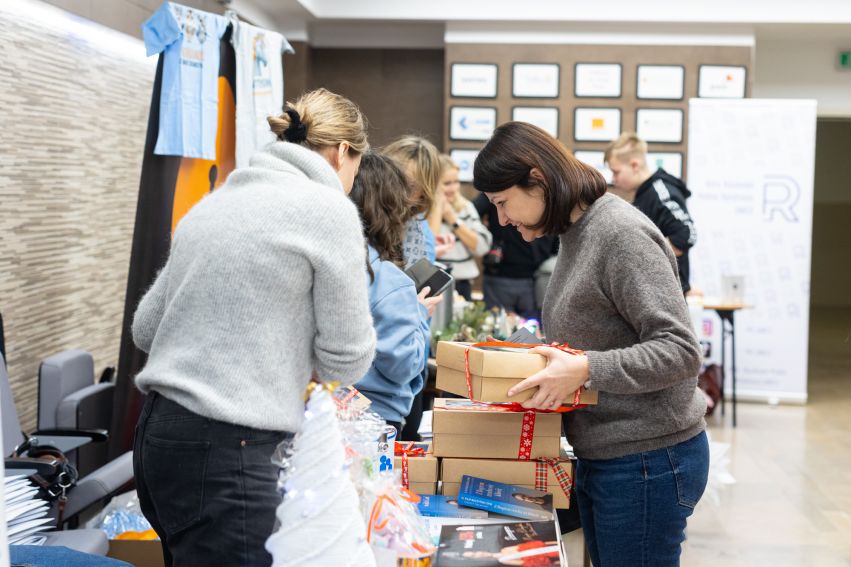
[320, 520]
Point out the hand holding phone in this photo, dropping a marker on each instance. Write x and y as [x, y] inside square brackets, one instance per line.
[425, 274]
[429, 302]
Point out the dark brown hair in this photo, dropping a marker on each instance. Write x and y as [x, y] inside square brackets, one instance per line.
[381, 193]
[515, 149]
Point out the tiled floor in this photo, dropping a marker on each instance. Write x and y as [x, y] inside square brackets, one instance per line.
[791, 502]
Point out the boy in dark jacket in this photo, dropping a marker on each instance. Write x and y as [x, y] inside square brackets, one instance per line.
[659, 195]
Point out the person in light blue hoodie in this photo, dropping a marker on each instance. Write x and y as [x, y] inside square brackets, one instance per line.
[400, 316]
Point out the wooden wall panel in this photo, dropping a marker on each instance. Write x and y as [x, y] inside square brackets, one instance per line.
[75, 115]
[630, 56]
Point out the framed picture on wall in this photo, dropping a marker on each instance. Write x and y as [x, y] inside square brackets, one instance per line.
[663, 125]
[718, 81]
[473, 80]
[597, 80]
[545, 117]
[535, 80]
[596, 160]
[465, 160]
[672, 162]
[596, 124]
[660, 82]
[471, 122]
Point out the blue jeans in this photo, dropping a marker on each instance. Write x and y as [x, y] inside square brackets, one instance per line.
[634, 508]
[54, 556]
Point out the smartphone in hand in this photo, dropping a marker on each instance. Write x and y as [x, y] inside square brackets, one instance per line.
[424, 273]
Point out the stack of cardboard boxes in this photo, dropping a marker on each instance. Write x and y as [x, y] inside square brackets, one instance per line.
[487, 441]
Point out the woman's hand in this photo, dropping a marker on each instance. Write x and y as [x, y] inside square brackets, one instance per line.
[429, 302]
[565, 373]
[443, 243]
[449, 215]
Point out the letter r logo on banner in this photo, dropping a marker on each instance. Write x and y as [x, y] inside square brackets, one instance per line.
[780, 194]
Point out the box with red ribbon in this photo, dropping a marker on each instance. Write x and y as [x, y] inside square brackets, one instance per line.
[418, 467]
[551, 475]
[463, 428]
[492, 372]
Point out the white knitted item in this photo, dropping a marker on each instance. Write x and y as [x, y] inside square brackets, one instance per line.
[320, 519]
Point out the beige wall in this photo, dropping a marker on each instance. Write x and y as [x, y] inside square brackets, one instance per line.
[831, 259]
[69, 180]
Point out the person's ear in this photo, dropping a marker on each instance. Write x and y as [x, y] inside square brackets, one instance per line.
[536, 175]
[342, 150]
[635, 165]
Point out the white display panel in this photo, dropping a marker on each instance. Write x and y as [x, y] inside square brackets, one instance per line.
[471, 122]
[660, 82]
[663, 125]
[672, 162]
[750, 170]
[599, 80]
[465, 160]
[595, 159]
[476, 80]
[596, 124]
[535, 80]
[546, 118]
[715, 81]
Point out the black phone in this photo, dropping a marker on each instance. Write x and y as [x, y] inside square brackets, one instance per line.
[424, 273]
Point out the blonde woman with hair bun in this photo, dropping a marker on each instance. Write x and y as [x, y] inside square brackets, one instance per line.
[264, 289]
[461, 220]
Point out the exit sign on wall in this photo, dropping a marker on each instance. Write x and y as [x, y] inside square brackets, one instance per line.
[845, 59]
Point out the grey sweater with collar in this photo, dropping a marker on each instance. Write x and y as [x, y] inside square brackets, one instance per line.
[615, 293]
[265, 282]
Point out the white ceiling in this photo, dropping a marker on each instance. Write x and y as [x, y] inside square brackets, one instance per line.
[401, 23]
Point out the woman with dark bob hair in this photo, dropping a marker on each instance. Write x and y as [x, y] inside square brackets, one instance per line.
[615, 294]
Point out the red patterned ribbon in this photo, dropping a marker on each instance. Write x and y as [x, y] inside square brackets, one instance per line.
[405, 451]
[527, 433]
[561, 475]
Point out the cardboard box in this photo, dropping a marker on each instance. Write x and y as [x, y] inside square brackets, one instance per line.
[421, 470]
[139, 553]
[492, 373]
[519, 473]
[423, 487]
[464, 429]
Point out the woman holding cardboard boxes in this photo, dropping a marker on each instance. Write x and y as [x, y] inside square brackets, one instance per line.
[643, 454]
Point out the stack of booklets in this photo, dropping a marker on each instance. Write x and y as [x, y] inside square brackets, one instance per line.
[26, 513]
[506, 499]
[493, 545]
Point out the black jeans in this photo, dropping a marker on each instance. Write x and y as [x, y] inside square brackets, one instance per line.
[208, 488]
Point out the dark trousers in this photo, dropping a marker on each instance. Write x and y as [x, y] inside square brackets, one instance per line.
[208, 488]
[515, 295]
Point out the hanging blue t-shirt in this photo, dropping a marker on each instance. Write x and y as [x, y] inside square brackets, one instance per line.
[189, 96]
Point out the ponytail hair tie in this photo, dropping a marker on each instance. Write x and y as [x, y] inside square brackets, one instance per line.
[297, 131]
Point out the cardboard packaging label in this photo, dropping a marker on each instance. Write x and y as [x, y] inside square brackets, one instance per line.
[519, 473]
[462, 428]
[492, 373]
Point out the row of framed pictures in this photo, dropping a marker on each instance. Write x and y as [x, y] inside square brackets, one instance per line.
[597, 80]
[603, 124]
[672, 162]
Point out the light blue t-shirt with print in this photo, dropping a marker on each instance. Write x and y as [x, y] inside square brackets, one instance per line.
[189, 96]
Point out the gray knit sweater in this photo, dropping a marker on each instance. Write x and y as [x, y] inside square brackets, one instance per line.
[615, 294]
[265, 282]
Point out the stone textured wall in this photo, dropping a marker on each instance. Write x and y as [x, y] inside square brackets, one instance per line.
[75, 99]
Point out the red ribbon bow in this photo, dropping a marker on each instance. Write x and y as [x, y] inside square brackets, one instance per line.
[527, 432]
[405, 451]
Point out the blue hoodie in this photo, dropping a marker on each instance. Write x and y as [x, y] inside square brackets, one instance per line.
[401, 327]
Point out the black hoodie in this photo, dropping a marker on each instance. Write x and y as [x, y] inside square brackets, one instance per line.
[663, 198]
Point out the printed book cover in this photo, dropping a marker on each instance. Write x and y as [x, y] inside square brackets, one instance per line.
[525, 544]
[447, 507]
[507, 499]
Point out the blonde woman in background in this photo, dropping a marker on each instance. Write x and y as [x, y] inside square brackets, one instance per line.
[420, 161]
[262, 290]
[460, 219]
